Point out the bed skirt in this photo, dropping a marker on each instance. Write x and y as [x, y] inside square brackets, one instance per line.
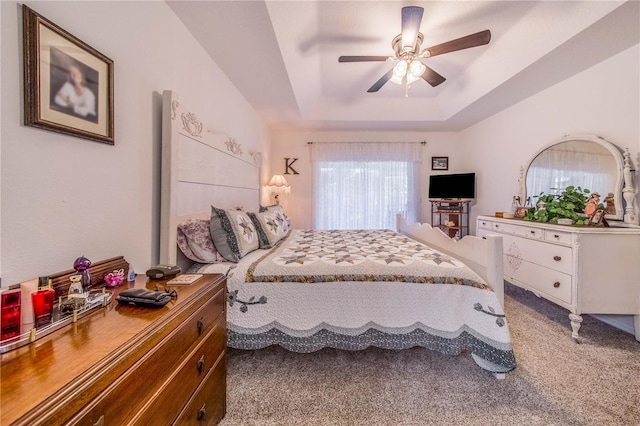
[486, 356]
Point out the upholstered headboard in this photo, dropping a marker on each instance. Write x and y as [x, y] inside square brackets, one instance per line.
[200, 168]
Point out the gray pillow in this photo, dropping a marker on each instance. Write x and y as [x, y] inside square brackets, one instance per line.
[270, 229]
[234, 234]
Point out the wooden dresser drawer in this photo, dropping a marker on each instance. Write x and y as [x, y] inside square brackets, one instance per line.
[559, 237]
[550, 283]
[484, 224]
[207, 407]
[175, 393]
[153, 369]
[520, 231]
[551, 256]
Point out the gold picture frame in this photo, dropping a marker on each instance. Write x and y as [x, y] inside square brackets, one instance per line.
[68, 85]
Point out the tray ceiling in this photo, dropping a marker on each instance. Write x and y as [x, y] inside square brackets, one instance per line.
[283, 56]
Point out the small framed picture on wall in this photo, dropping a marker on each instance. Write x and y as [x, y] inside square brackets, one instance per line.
[439, 163]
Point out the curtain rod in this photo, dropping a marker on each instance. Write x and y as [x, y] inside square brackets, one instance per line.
[421, 142]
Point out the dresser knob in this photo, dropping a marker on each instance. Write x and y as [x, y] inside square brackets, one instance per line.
[100, 421]
[557, 258]
[556, 284]
[556, 236]
[532, 232]
[202, 413]
[201, 326]
[201, 365]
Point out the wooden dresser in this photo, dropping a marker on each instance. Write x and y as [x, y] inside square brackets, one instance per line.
[125, 364]
[591, 270]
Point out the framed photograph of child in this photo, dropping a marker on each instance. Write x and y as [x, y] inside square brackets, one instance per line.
[68, 85]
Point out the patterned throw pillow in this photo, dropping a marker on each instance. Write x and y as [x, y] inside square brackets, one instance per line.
[271, 227]
[233, 233]
[280, 217]
[194, 239]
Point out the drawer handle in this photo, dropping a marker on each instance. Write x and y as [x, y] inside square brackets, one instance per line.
[100, 421]
[556, 284]
[202, 413]
[557, 258]
[484, 238]
[201, 326]
[556, 236]
[532, 231]
[201, 365]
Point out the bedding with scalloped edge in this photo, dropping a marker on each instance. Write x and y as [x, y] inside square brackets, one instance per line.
[355, 289]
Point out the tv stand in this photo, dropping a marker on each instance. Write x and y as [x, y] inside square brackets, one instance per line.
[456, 216]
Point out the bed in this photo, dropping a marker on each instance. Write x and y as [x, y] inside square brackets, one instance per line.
[307, 289]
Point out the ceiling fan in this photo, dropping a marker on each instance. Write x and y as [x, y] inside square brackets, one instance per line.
[407, 45]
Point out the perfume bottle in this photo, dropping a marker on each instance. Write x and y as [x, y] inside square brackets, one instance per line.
[10, 305]
[43, 302]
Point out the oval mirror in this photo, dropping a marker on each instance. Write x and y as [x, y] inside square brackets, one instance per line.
[585, 161]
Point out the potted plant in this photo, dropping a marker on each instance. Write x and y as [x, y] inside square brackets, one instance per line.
[550, 207]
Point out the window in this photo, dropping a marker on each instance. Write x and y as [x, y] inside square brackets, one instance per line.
[364, 194]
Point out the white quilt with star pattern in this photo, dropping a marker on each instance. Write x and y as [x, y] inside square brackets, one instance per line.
[348, 283]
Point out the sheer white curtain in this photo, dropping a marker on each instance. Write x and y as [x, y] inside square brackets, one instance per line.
[362, 185]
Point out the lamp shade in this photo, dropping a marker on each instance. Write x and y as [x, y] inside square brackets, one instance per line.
[278, 181]
[399, 72]
[416, 69]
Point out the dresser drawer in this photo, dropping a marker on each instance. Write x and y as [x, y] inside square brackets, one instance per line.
[551, 256]
[559, 237]
[550, 283]
[207, 407]
[484, 224]
[520, 231]
[175, 393]
[152, 369]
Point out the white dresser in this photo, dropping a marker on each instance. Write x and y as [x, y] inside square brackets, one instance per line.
[583, 269]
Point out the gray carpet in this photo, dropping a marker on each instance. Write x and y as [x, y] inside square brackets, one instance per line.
[557, 382]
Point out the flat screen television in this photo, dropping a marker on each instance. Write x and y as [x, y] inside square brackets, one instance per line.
[461, 185]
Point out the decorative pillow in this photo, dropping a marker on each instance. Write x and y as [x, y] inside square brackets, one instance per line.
[194, 239]
[233, 233]
[280, 217]
[270, 228]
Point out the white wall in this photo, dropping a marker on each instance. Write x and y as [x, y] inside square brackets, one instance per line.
[293, 144]
[63, 197]
[602, 100]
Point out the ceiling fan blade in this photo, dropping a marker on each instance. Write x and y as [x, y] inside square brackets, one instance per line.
[411, 19]
[432, 77]
[472, 40]
[362, 58]
[378, 84]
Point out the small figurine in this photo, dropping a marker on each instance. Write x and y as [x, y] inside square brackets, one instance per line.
[75, 289]
[81, 265]
[592, 204]
[610, 204]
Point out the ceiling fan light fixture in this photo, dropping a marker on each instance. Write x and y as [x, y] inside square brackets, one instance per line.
[399, 71]
[416, 69]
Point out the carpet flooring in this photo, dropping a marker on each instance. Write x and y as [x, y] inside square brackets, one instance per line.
[557, 382]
